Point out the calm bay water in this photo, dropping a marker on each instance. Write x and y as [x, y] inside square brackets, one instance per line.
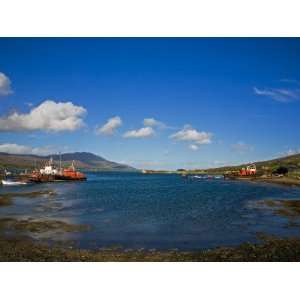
[155, 211]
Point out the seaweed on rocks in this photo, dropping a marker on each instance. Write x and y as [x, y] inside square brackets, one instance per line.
[272, 249]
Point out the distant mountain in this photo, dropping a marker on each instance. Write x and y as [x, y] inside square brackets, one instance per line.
[83, 160]
[85, 157]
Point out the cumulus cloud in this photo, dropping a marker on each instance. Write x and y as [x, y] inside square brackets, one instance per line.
[241, 147]
[153, 123]
[110, 126]
[5, 85]
[49, 116]
[280, 95]
[190, 134]
[21, 149]
[193, 147]
[139, 133]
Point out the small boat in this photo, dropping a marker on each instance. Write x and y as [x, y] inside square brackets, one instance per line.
[11, 183]
[208, 176]
[200, 177]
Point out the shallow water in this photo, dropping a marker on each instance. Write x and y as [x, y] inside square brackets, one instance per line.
[155, 211]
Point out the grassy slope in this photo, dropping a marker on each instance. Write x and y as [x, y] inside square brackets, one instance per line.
[292, 162]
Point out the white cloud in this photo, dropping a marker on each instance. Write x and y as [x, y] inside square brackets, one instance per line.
[219, 163]
[194, 147]
[242, 147]
[144, 164]
[29, 104]
[5, 85]
[139, 133]
[110, 126]
[190, 134]
[49, 116]
[21, 149]
[166, 152]
[153, 123]
[291, 81]
[280, 95]
[290, 152]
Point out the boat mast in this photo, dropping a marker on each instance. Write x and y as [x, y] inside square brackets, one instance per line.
[60, 161]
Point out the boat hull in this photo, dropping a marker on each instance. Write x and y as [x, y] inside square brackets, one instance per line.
[13, 183]
[68, 178]
[52, 178]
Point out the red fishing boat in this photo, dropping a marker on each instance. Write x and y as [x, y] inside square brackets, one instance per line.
[50, 173]
[70, 174]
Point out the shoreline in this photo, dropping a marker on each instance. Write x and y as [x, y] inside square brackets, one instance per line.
[281, 181]
[272, 249]
[273, 180]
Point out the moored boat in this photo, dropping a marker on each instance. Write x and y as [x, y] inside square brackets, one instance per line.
[13, 183]
[207, 176]
[70, 174]
[50, 173]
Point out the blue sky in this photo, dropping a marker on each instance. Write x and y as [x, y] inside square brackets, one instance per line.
[207, 102]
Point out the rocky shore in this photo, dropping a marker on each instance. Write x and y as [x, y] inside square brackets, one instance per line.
[272, 249]
[273, 180]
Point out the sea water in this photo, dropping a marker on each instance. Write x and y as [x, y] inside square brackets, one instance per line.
[154, 211]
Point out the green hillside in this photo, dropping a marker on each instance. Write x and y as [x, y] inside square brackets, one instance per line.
[292, 162]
